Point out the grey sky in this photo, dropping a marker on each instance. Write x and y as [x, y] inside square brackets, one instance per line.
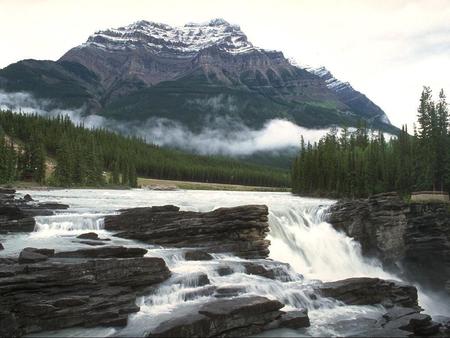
[386, 49]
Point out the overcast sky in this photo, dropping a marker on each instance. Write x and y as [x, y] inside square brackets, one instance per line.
[385, 49]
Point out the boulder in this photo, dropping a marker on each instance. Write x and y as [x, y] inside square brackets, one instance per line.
[256, 269]
[371, 291]
[78, 290]
[89, 235]
[240, 316]
[1, 247]
[224, 270]
[197, 255]
[239, 230]
[294, 319]
[33, 255]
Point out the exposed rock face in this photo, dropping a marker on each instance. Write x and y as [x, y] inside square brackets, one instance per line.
[236, 317]
[370, 291]
[16, 215]
[51, 293]
[239, 230]
[414, 237]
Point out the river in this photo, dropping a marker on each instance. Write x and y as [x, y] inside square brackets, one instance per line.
[299, 236]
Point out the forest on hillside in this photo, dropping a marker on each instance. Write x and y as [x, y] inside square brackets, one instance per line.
[83, 156]
[361, 163]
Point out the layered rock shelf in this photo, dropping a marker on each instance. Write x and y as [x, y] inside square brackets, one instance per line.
[17, 214]
[413, 238]
[43, 291]
[239, 230]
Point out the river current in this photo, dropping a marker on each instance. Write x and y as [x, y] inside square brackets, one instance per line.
[298, 234]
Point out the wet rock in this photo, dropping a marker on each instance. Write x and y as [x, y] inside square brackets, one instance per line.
[410, 322]
[294, 319]
[1, 247]
[7, 191]
[89, 235]
[16, 215]
[239, 230]
[27, 198]
[225, 318]
[91, 243]
[199, 292]
[413, 236]
[32, 255]
[77, 290]
[229, 291]
[370, 291]
[104, 252]
[224, 270]
[256, 269]
[197, 255]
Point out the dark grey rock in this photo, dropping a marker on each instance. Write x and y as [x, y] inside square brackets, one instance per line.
[256, 269]
[239, 230]
[415, 236]
[225, 318]
[1, 247]
[107, 251]
[224, 270]
[89, 235]
[370, 291]
[84, 289]
[229, 291]
[30, 257]
[197, 255]
[295, 319]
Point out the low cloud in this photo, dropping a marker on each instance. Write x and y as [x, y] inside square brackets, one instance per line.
[223, 136]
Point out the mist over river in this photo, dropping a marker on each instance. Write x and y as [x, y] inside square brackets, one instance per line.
[298, 235]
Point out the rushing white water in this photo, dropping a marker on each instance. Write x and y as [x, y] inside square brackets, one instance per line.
[298, 234]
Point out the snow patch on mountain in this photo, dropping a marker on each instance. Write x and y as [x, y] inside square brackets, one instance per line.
[332, 83]
[188, 39]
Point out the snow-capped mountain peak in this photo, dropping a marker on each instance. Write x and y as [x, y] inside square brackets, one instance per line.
[187, 39]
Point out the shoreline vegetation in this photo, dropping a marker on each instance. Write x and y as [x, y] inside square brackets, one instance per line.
[363, 163]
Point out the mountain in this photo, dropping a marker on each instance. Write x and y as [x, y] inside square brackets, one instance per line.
[192, 74]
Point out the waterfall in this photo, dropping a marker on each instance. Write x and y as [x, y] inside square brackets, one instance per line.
[301, 237]
[62, 223]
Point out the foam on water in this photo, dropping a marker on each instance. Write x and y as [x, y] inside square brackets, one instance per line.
[298, 233]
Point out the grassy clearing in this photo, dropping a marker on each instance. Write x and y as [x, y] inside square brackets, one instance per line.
[169, 184]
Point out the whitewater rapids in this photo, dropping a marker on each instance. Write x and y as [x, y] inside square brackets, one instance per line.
[298, 234]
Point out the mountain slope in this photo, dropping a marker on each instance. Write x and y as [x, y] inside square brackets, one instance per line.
[192, 74]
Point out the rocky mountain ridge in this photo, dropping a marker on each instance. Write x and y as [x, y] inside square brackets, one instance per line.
[190, 74]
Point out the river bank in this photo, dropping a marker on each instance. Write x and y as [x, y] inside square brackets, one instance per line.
[155, 184]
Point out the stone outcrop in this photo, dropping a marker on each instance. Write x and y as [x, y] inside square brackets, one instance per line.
[371, 291]
[239, 230]
[413, 238]
[236, 317]
[96, 287]
[17, 215]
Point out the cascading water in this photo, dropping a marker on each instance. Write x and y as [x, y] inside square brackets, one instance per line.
[299, 236]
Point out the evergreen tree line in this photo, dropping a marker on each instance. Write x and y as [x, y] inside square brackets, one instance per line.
[362, 162]
[82, 156]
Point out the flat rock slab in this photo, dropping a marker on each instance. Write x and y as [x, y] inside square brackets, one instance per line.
[371, 291]
[87, 288]
[226, 318]
[240, 230]
[104, 252]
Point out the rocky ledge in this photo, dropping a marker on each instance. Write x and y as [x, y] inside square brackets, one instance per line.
[413, 238]
[17, 214]
[239, 230]
[43, 291]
